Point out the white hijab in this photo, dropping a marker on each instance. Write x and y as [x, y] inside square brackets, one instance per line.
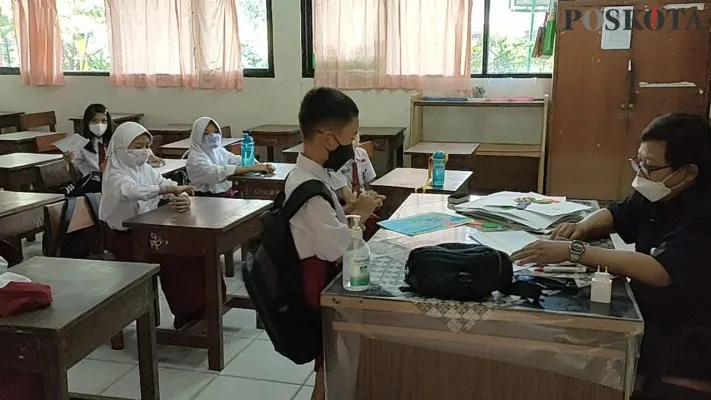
[118, 169]
[201, 154]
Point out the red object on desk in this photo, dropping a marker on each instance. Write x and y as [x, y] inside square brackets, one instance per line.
[20, 297]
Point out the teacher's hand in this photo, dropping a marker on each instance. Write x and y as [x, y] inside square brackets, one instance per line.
[543, 252]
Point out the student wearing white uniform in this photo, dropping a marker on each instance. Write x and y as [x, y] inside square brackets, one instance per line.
[132, 187]
[209, 164]
[88, 163]
[329, 121]
[357, 174]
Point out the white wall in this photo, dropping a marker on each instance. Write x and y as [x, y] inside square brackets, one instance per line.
[263, 100]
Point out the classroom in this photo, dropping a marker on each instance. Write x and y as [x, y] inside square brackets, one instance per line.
[355, 199]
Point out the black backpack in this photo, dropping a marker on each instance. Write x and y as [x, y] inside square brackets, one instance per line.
[463, 272]
[273, 278]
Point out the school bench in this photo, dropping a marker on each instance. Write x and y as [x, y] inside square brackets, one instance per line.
[10, 119]
[29, 142]
[17, 170]
[21, 213]
[263, 186]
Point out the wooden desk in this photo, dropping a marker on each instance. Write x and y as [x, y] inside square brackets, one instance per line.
[386, 344]
[386, 139]
[171, 165]
[16, 170]
[461, 156]
[10, 119]
[292, 153]
[212, 227]
[117, 118]
[263, 186]
[27, 141]
[50, 341]
[172, 132]
[178, 149]
[279, 136]
[401, 182]
[21, 213]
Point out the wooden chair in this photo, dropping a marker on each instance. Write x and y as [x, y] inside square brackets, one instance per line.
[82, 217]
[45, 144]
[235, 149]
[226, 131]
[52, 176]
[36, 120]
[368, 147]
[155, 145]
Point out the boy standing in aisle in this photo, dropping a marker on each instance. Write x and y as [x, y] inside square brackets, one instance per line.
[329, 122]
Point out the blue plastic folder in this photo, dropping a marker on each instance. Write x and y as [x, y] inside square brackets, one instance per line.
[424, 223]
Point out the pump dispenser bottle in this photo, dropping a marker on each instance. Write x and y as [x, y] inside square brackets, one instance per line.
[356, 260]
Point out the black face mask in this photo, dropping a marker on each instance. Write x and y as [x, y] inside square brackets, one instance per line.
[339, 157]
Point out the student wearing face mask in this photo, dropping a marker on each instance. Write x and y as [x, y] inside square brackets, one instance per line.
[132, 187]
[87, 163]
[329, 122]
[668, 217]
[209, 164]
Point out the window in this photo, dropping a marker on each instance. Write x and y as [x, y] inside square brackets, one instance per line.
[506, 28]
[86, 43]
[8, 45]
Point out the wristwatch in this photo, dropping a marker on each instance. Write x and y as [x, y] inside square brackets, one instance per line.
[577, 248]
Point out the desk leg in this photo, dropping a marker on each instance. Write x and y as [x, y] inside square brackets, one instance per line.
[270, 154]
[213, 311]
[229, 264]
[147, 358]
[54, 373]
[399, 154]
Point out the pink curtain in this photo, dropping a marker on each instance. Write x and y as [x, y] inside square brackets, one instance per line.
[39, 41]
[393, 44]
[159, 43]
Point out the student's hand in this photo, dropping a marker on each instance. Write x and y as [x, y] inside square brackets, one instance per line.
[379, 197]
[178, 190]
[365, 204]
[264, 168]
[543, 252]
[180, 203]
[154, 161]
[571, 231]
[348, 196]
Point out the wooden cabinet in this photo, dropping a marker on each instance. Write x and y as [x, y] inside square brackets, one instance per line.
[603, 99]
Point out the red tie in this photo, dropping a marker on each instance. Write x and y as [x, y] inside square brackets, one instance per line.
[102, 157]
[356, 181]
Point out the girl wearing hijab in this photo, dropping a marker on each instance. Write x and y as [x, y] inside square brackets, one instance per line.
[209, 164]
[131, 187]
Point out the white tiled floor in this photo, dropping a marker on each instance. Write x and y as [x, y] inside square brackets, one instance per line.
[253, 370]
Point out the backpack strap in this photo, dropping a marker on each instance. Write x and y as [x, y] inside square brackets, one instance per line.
[93, 206]
[303, 193]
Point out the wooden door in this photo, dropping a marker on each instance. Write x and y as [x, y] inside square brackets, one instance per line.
[588, 120]
[659, 60]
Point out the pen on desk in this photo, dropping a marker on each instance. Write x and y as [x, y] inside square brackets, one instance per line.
[562, 270]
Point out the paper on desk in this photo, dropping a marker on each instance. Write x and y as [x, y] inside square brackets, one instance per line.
[506, 241]
[72, 142]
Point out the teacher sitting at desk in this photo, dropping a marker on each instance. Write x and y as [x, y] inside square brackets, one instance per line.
[668, 218]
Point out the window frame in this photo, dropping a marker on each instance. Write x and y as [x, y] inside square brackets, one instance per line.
[307, 46]
[248, 72]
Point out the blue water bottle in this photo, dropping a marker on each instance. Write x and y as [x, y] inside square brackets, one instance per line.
[247, 150]
[439, 161]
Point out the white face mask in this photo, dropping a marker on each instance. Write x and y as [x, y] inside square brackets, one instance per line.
[137, 157]
[213, 140]
[98, 129]
[653, 191]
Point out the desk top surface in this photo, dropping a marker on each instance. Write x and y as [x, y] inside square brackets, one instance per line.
[390, 251]
[451, 148]
[116, 117]
[14, 202]
[15, 161]
[78, 287]
[206, 213]
[184, 144]
[280, 173]
[10, 113]
[25, 135]
[414, 178]
[171, 165]
[275, 130]
[380, 131]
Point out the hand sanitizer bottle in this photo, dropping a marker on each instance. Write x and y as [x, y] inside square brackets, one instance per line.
[356, 260]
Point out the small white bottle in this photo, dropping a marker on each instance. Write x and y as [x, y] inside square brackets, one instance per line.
[356, 260]
[601, 290]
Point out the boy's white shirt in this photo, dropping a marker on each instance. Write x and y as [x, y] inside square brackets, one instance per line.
[318, 229]
[366, 172]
